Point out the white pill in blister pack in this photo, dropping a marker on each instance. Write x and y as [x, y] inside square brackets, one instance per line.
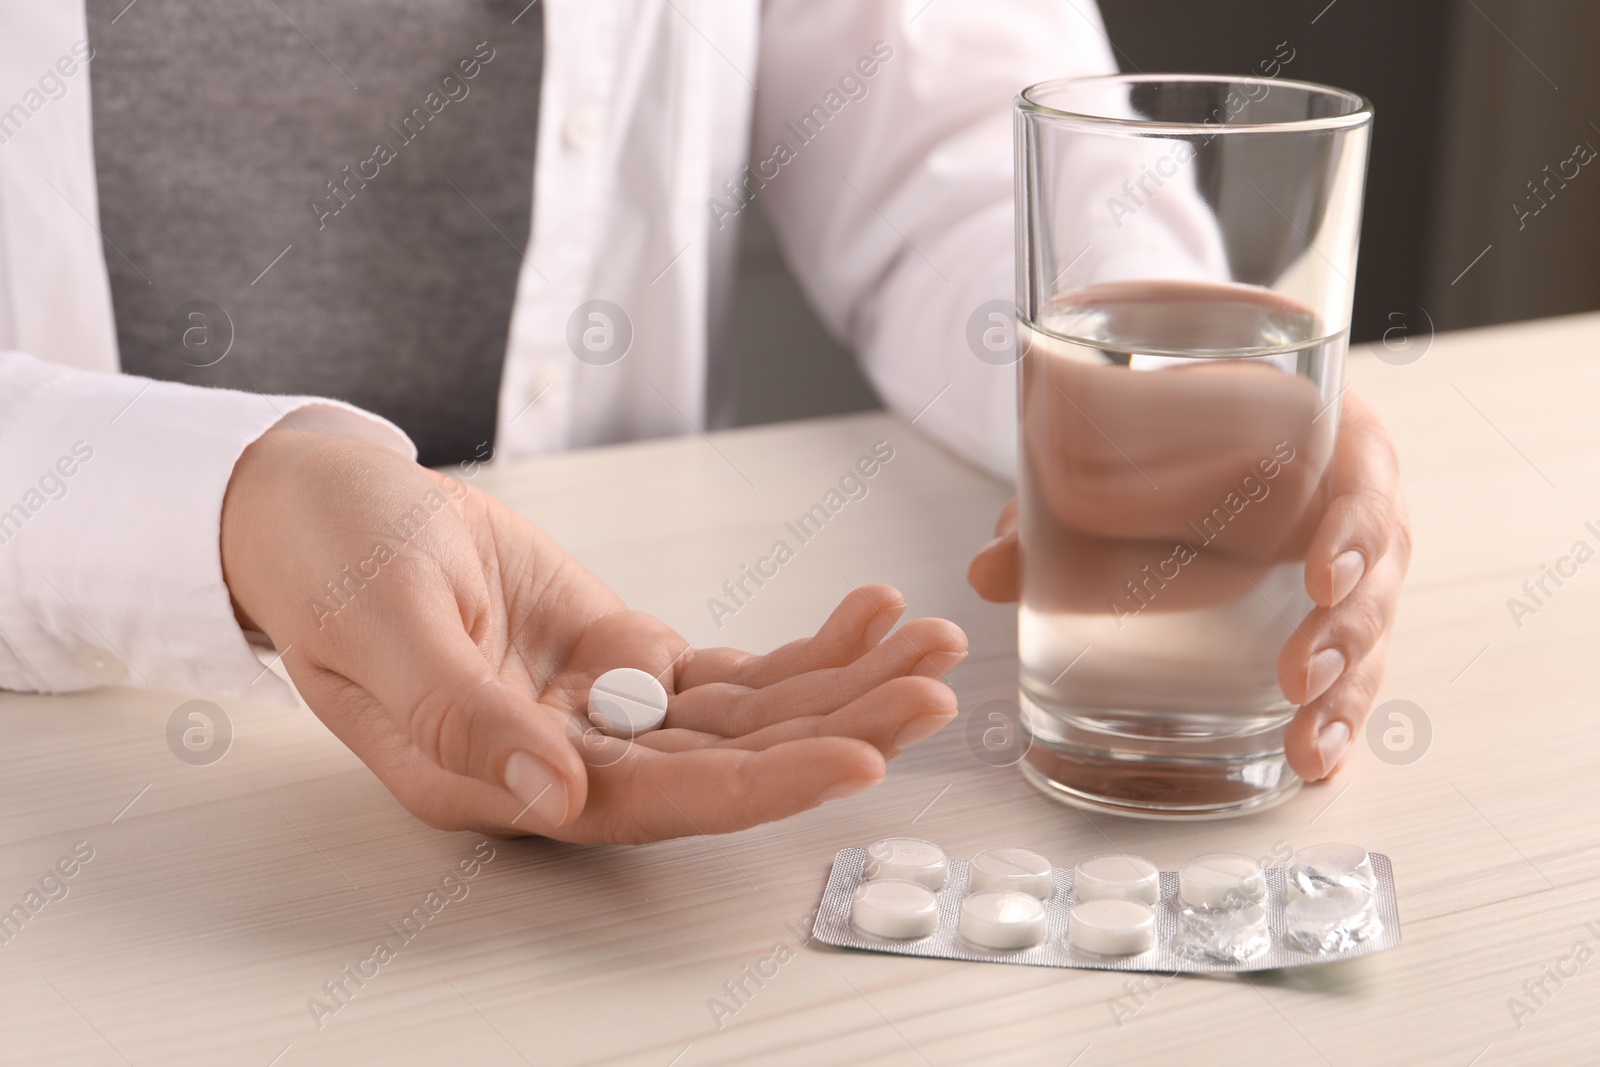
[894, 909]
[627, 701]
[1117, 876]
[1015, 869]
[1002, 919]
[908, 859]
[1220, 880]
[1109, 927]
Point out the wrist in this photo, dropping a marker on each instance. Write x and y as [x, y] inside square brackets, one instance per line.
[252, 506]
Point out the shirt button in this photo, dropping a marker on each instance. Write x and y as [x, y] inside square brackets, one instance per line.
[104, 667]
[581, 127]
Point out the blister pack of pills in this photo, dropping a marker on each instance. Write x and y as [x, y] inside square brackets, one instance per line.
[1217, 913]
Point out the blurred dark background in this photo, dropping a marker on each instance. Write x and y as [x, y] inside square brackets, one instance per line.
[1474, 99]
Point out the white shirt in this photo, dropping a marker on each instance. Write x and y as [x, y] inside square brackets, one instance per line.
[896, 216]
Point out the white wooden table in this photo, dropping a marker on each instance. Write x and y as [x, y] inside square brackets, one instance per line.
[221, 898]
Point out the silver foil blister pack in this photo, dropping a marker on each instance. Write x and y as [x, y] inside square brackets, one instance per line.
[1182, 933]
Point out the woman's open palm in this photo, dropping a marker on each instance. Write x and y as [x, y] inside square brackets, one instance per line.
[451, 645]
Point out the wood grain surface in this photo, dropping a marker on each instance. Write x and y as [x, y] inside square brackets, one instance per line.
[220, 899]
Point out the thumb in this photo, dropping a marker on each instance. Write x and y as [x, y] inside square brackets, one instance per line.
[459, 715]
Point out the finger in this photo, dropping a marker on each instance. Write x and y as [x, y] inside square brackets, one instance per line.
[1007, 522]
[651, 796]
[856, 626]
[996, 570]
[415, 657]
[928, 648]
[1331, 640]
[891, 718]
[1321, 733]
[1363, 509]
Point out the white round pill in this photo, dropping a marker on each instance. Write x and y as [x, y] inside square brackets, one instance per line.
[1117, 876]
[897, 910]
[1110, 927]
[1221, 880]
[1002, 919]
[1319, 867]
[1016, 869]
[626, 702]
[909, 859]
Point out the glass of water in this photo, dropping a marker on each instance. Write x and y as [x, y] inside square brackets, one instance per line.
[1186, 250]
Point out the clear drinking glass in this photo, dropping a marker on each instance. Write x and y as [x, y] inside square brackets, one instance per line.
[1186, 248]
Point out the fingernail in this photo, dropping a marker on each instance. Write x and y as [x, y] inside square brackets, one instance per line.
[923, 726]
[1333, 739]
[1348, 567]
[536, 785]
[849, 787]
[1323, 670]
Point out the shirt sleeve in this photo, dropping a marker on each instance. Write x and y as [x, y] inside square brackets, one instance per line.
[111, 490]
[882, 152]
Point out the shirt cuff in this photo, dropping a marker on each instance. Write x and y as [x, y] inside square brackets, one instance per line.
[111, 490]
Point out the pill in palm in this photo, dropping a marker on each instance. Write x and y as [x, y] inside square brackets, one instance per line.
[626, 701]
[907, 859]
[1016, 869]
[1116, 876]
[1221, 880]
[1110, 927]
[1002, 919]
[894, 909]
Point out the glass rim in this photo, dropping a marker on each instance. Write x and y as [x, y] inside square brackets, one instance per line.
[1360, 114]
